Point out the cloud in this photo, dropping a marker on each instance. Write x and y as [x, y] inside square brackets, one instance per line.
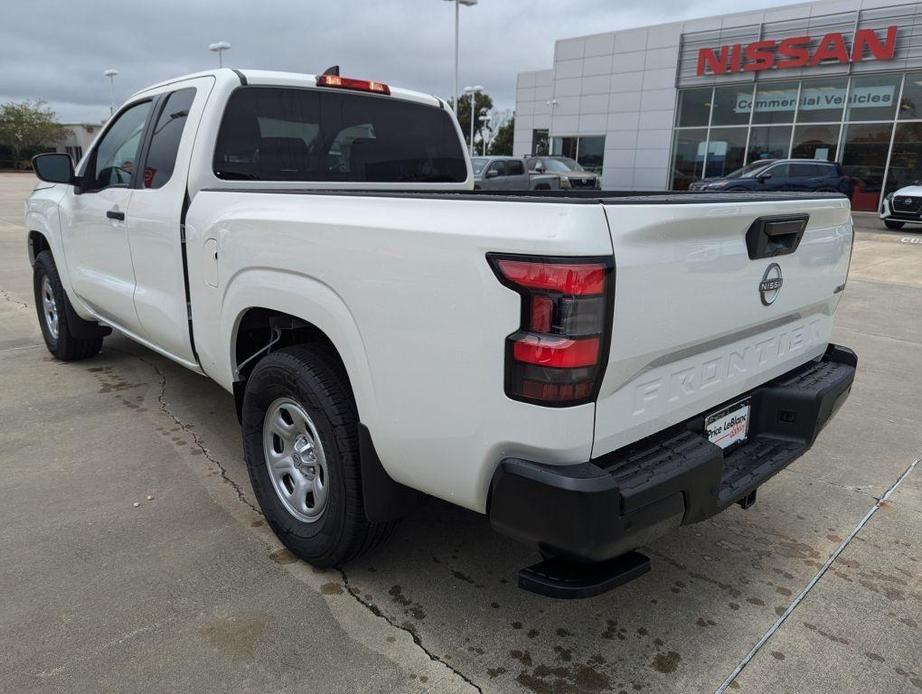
[57, 50]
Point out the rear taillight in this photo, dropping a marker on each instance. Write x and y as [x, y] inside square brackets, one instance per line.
[558, 355]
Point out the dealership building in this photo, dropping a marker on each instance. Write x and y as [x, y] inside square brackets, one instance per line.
[660, 107]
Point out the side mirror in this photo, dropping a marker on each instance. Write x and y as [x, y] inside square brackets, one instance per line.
[539, 167]
[764, 177]
[492, 173]
[54, 167]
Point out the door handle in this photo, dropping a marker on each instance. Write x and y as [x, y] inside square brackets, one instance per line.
[114, 214]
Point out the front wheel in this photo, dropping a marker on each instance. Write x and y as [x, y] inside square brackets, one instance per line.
[890, 224]
[54, 318]
[300, 440]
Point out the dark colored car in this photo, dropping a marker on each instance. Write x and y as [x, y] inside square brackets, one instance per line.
[570, 173]
[772, 175]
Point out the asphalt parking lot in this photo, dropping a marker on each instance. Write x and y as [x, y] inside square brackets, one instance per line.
[132, 556]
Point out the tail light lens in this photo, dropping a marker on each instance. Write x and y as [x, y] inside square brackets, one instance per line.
[558, 355]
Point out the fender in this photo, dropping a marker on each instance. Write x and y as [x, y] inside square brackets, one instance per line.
[305, 298]
[43, 217]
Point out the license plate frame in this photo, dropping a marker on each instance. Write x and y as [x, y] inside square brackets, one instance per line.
[729, 426]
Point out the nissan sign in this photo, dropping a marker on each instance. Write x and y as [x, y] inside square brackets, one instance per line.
[796, 52]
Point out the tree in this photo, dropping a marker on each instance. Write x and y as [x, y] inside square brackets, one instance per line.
[502, 143]
[482, 105]
[28, 127]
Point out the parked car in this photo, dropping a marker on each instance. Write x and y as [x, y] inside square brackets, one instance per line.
[570, 173]
[780, 175]
[315, 246]
[903, 206]
[509, 173]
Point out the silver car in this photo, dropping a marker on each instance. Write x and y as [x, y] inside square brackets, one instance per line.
[509, 173]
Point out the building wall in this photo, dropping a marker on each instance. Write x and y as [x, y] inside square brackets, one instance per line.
[623, 84]
[78, 139]
[533, 93]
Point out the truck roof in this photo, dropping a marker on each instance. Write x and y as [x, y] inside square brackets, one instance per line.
[285, 79]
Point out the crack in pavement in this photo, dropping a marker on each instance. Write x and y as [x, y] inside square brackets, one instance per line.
[819, 574]
[196, 439]
[377, 612]
[8, 297]
[199, 443]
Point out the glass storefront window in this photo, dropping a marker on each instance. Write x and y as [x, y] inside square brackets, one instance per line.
[822, 101]
[864, 158]
[732, 105]
[688, 157]
[694, 107]
[873, 97]
[906, 159]
[911, 103]
[539, 142]
[591, 151]
[838, 119]
[815, 142]
[726, 151]
[564, 147]
[587, 151]
[775, 103]
[769, 142]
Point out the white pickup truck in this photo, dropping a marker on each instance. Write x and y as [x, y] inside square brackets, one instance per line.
[590, 369]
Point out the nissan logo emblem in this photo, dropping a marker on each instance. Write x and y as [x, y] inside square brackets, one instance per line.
[770, 286]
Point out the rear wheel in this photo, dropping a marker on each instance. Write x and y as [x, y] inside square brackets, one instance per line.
[891, 224]
[300, 439]
[54, 317]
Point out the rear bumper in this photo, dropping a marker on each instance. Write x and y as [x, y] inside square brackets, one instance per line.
[597, 510]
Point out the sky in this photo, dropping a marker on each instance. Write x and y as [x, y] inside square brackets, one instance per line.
[57, 50]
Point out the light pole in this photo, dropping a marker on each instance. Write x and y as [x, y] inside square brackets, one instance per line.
[487, 122]
[454, 89]
[472, 91]
[219, 47]
[111, 73]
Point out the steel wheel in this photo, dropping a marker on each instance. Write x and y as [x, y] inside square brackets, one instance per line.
[49, 308]
[295, 460]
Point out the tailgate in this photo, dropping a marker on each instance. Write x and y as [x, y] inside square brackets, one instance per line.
[697, 321]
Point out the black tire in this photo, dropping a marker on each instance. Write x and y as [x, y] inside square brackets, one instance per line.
[312, 377]
[891, 224]
[64, 345]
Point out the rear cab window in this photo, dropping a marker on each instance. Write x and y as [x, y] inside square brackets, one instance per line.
[301, 134]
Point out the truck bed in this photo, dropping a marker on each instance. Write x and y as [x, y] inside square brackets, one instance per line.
[576, 197]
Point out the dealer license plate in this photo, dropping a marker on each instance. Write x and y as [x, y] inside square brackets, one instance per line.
[729, 425]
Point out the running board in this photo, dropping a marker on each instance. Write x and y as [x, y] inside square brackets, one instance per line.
[568, 580]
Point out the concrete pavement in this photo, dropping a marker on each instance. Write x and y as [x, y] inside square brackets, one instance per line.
[189, 590]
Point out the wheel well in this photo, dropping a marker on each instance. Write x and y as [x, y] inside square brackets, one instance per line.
[37, 244]
[262, 331]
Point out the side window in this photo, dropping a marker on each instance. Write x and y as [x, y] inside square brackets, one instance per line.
[498, 167]
[515, 168]
[805, 170]
[164, 144]
[780, 171]
[116, 156]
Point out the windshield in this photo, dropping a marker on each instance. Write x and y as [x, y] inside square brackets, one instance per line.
[477, 163]
[562, 165]
[751, 170]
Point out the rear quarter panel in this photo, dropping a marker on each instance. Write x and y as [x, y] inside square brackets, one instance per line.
[402, 287]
